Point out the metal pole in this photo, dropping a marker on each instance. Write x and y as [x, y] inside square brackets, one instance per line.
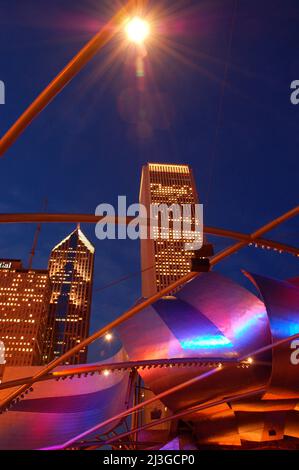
[258, 233]
[184, 413]
[137, 407]
[119, 366]
[65, 76]
[93, 219]
[142, 305]
[177, 388]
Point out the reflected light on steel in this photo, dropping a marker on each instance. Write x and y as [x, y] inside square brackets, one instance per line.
[206, 342]
[108, 337]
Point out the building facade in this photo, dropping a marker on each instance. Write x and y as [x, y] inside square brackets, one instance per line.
[163, 260]
[71, 267]
[24, 305]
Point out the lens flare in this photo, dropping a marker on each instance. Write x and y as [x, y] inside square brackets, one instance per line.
[108, 337]
[137, 30]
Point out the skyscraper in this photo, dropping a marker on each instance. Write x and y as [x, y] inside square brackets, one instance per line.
[166, 184]
[24, 305]
[71, 273]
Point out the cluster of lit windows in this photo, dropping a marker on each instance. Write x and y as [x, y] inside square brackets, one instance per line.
[70, 270]
[170, 184]
[14, 349]
[24, 300]
[69, 319]
[17, 320]
[168, 168]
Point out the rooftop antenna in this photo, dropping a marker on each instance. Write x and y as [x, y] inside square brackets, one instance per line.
[36, 237]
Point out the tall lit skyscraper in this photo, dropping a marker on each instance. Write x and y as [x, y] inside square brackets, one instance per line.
[166, 184]
[71, 273]
[24, 305]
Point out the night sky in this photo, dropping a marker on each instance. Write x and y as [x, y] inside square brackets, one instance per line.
[89, 145]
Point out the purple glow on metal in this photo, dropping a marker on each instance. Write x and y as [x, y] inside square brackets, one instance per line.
[172, 445]
[208, 342]
[282, 302]
[56, 410]
[236, 313]
[242, 327]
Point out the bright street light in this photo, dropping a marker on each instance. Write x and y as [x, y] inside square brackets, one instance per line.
[137, 30]
[108, 337]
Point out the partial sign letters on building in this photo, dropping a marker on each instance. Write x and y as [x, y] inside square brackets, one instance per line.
[5, 265]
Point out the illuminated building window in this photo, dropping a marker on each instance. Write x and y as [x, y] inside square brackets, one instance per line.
[71, 274]
[166, 184]
[18, 339]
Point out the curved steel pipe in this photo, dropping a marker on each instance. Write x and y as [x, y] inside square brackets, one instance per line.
[65, 76]
[94, 219]
[145, 303]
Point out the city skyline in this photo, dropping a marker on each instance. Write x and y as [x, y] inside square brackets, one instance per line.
[70, 266]
[46, 312]
[84, 150]
[186, 337]
[160, 183]
[129, 290]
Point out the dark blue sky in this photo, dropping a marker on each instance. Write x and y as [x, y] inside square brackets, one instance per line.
[84, 149]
